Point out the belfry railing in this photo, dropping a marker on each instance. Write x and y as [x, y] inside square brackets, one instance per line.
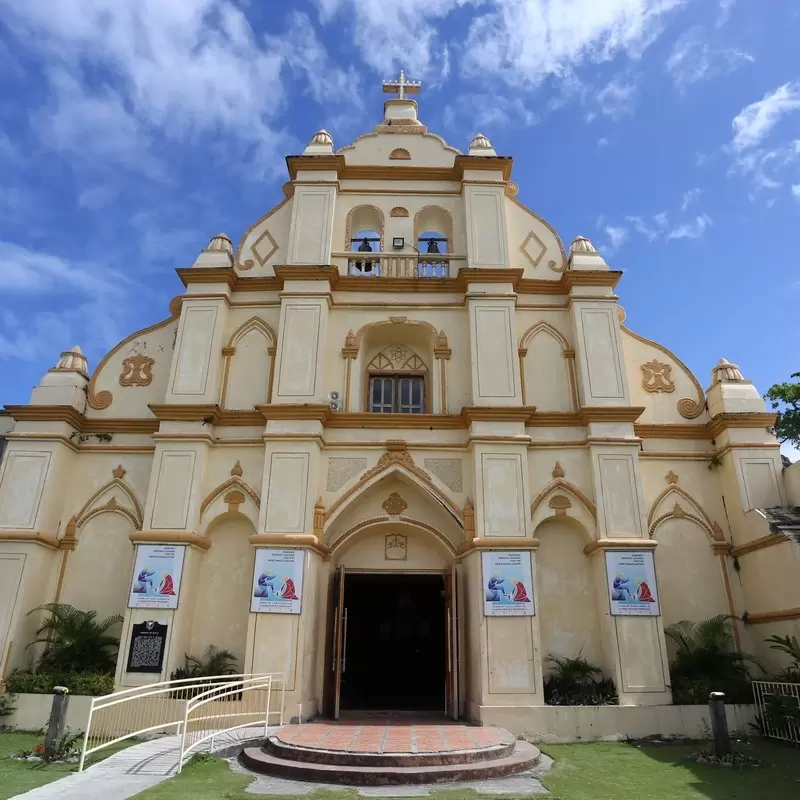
[195, 710]
[392, 265]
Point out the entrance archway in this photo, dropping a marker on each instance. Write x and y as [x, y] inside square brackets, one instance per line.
[392, 642]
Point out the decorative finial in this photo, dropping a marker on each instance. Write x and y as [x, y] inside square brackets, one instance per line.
[236, 470]
[582, 245]
[401, 87]
[725, 371]
[671, 478]
[221, 242]
[480, 142]
[321, 137]
[558, 470]
[73, 361]
[118, 472]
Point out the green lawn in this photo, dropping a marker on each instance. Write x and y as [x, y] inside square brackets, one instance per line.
[17, 777]
[600, 771]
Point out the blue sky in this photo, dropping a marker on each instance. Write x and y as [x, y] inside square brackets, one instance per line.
[667, 131]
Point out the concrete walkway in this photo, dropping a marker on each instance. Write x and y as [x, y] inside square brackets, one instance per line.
[134, 769]
[141, 766]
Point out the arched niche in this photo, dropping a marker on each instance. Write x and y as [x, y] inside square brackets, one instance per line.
[364, 220]
[98, 572]
[415, 338]
[431, 220]
[690, 577]
[566, 591]
[223, 582]
[548, 380]
[249, 365]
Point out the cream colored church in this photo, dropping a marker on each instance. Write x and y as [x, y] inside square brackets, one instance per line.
[398, 377]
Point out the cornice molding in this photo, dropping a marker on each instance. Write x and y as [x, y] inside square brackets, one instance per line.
[496, 543]
[770, 540]
[741, 419]
[185, 412]
[33, 537]
[170, 537]
[632, 543]
[308, 540]
[772, 616]
[472, 414]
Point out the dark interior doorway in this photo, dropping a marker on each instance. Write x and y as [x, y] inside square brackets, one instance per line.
[395, 657]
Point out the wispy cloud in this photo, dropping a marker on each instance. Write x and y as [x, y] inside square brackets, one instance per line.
[689, 198]
[693, 59]
[616, 237]
[752, 124]
[796, 190]
[690, 230]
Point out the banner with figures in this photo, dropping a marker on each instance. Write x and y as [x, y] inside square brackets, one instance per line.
[507, 584]
[278, 580]
[632, 583]
[157, 573]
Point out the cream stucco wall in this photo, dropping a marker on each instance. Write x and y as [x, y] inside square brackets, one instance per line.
[550, 428]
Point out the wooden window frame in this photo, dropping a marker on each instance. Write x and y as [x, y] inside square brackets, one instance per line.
[397, 376]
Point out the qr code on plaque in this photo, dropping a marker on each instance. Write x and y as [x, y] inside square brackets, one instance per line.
[146, 652]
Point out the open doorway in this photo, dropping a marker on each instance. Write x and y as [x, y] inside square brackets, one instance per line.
[395, 643]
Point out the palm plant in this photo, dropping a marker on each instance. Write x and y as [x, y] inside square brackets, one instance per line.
[706, 661]
[790, 646]
[76, 640]
[576, 681]
[214, 662]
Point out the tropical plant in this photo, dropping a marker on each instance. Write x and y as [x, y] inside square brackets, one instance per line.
[75, 641]
[790, 646]
[213, 662]
[7, 704]
[706, 661]
[785, 399]
[577, 682]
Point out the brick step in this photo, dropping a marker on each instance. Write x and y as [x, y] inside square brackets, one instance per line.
[524, 756]
[311, 755]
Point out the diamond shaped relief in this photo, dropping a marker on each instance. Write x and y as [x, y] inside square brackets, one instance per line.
[533, 248]
[264, 247]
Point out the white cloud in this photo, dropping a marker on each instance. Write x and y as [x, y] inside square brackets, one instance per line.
[615, 99]
[180, 70]
[690, 230]
[725, 7]
[34, 272]
[616, 236]
[754, 122]
[689, 198]
[796, 190]
[603, 142]
[693, 59]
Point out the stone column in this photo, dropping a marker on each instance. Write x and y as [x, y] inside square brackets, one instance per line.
[635, 649]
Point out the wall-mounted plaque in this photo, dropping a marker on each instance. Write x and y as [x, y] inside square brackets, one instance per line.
[148, 644]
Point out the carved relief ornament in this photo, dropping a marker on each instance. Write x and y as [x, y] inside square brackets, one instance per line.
[136, 371]
[657, 377]
[394, 505]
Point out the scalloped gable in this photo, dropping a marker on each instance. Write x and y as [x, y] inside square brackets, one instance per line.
[134, 373]
[264, 243]
[661, 382]
[424, 149]
[533, 243]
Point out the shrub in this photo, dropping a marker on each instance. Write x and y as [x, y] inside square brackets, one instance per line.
[213, 662]
[791, 647]
[706, 661]
[42, 682]
[577, 682]
[75, 641]
[7, 704]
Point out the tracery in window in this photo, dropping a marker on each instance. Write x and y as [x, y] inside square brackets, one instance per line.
[397, 377]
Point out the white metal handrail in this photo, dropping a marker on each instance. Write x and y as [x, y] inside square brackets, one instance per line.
[164, 707]
[778, 709]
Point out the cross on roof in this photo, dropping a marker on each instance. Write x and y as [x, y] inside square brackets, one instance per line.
[401, 87]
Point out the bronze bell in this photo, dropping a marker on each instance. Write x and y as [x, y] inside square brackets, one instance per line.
[433, 247]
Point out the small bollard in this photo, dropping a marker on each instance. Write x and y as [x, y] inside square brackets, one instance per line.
[57, 722]
[719, 724]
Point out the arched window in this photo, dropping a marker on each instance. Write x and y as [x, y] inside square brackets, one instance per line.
[397, 382]
[364, 235]
[433, 235]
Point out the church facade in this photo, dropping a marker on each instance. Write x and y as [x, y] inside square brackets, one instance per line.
[400, 446]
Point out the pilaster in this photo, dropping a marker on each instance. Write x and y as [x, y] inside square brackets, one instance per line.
[313, 206]
[484, 203]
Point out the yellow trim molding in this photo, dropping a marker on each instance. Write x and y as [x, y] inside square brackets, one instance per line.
[170, 537]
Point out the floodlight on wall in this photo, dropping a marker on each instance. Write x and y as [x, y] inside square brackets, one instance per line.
[398, 243]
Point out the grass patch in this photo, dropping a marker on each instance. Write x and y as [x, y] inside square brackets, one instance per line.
[610, 770]
[17, 777]
[597, 771]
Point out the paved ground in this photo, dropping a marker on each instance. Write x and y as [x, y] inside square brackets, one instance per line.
[130, 771]
[392, 736]
[144, 765]
[524, 783]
